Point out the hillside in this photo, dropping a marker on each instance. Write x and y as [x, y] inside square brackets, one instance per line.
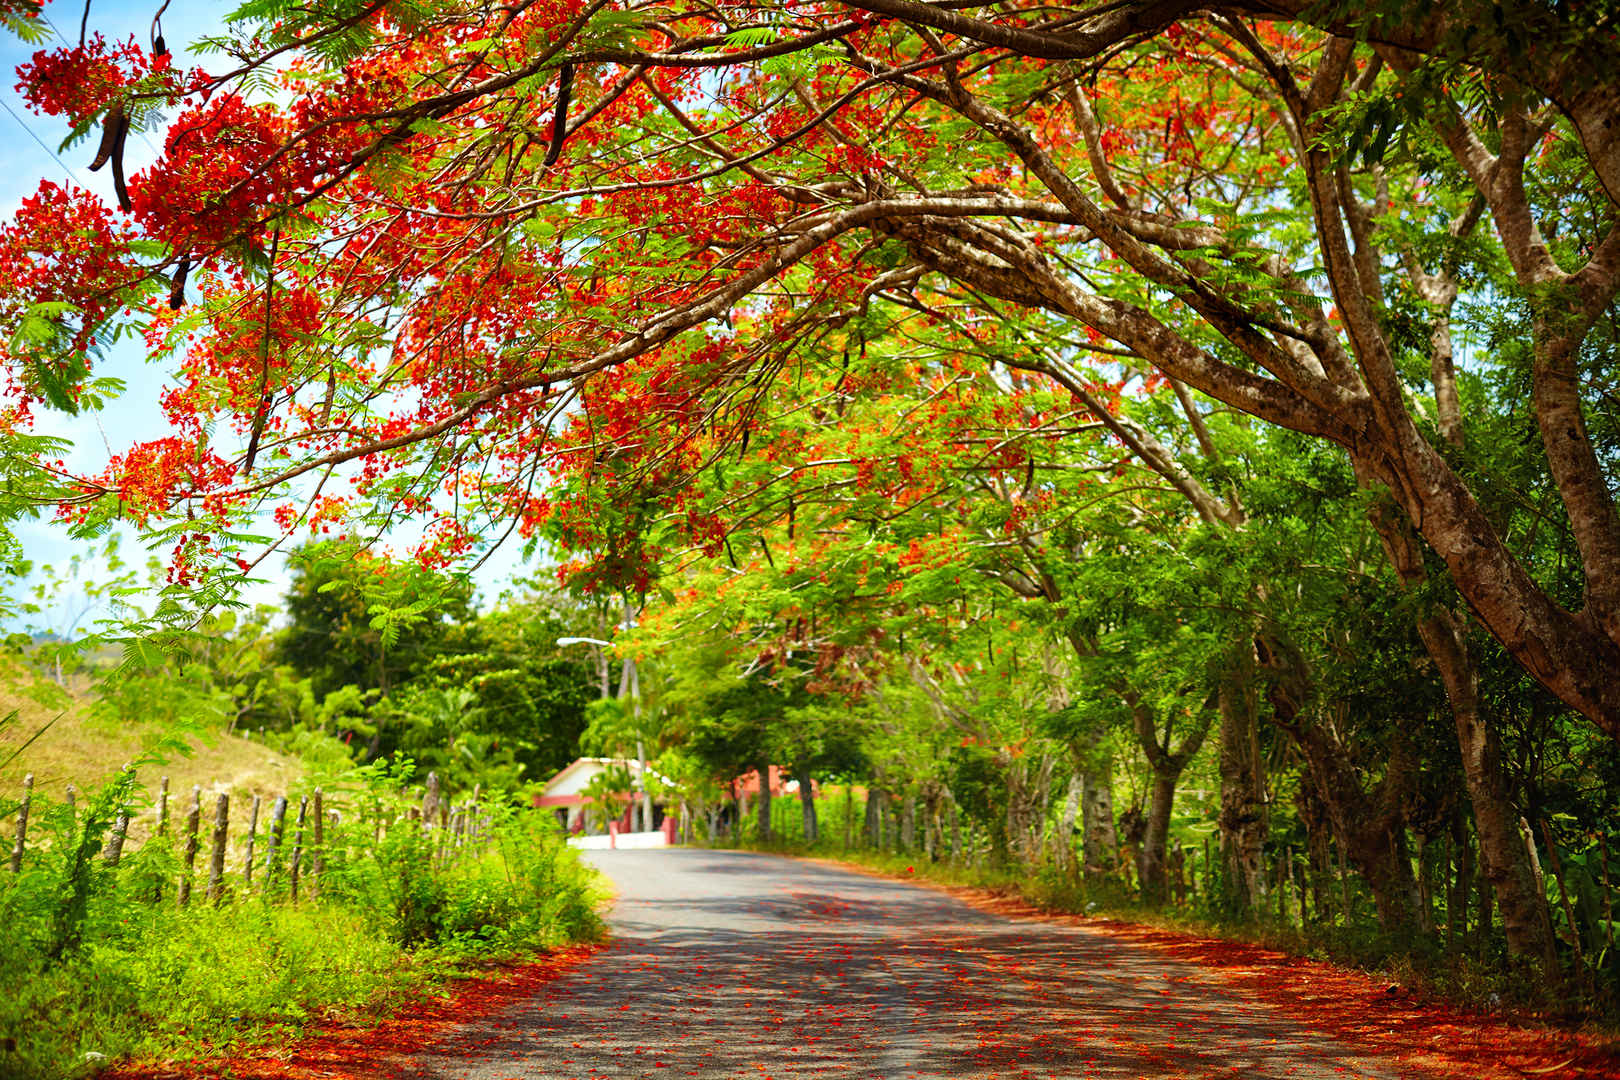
[82, 750]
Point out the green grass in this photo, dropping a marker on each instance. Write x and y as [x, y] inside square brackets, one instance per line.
[130, 979]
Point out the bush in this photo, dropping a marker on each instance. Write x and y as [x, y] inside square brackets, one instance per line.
[98, 963]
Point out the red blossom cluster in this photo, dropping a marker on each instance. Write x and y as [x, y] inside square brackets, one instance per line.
[63, 247]
[216, 172]
[81, 81]
[152, 476]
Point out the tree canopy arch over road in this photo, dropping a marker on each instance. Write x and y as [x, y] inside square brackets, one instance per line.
[454, 251]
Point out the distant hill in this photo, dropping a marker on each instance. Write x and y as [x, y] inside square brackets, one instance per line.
[84, 751]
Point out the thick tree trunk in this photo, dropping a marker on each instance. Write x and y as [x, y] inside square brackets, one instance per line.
[1244, 821]
[1502, 856]
[1101, 840]
[765, 833]
[1370, 828]
[807, 803]
[1014, 833]
[1071, 811]
[872, 828]
[1151, 861]
[1168, 766]
[908, 821]
[1318, 846]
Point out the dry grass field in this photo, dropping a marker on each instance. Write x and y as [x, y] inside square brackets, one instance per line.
[80, 749]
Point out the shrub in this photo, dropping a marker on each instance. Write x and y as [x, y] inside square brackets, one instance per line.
[97, 963]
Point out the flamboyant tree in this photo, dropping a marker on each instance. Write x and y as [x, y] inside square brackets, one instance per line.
[414, 238]
[430, 257]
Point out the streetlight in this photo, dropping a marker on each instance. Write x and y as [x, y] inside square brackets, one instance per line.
[630, 686]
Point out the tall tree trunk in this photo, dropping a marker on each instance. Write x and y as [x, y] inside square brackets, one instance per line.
[1371, 828]
[1151, 861]
[1013, 832]
[872, 828]
[908, 821]
[1039, 810]
[1318, 846]
[1167, 767]
[765, 833]
[1244, 820]
[1101, 839]
[1071, 811]
[1502, 856]
[807, 802]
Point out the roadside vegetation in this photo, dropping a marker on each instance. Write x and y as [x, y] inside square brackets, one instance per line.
[102, 961]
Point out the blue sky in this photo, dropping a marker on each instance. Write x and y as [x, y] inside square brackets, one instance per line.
[29, 154]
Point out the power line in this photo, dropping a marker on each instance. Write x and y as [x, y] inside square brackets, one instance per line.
[71, 175]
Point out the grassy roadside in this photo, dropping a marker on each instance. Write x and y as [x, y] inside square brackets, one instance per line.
[135, 982]
[1417, 971]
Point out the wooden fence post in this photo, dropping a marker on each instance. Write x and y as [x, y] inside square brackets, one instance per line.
[22, 824]
[189, 856]
[163, 807]
[120, 830]
[430, 801]
[253, 832]
[115, 841]
[317, 844]
[216, 857]
[298, 844]
[272, 839]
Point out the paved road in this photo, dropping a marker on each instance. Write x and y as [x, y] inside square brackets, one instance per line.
[735, 965]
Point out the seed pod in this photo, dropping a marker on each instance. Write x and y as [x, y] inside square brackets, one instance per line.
[559, 125]
[119, 187]
[110, 128]
[177, 285]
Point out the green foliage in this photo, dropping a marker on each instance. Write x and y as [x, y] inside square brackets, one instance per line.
[366, 622]
[98, 963]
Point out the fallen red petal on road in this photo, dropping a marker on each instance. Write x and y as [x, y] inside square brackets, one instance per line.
[338, 1050]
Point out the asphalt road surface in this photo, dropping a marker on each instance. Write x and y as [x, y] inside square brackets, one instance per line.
[736, 965]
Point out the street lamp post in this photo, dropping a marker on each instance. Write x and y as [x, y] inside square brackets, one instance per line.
[629, 686]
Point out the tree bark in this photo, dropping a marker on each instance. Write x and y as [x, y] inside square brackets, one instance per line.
[1168, 766]
[1244, 821]
[1071, 810]
[1101, 840]
[807, 803]
[1370, 828]
[1152, 861]
[765, 833]
[1503, 860]
[908, 821]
